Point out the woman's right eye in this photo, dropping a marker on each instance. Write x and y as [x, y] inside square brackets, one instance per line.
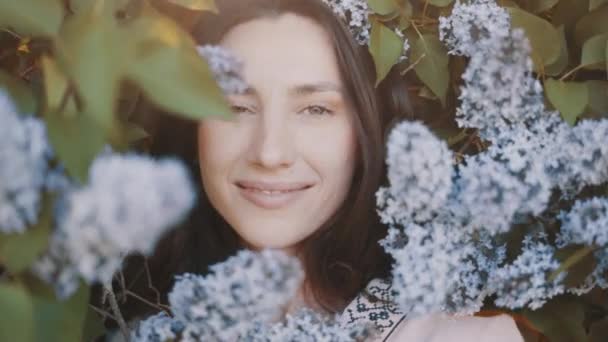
[237, 109]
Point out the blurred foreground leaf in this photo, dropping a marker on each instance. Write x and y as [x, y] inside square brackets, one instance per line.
[19, 251]
[17, 318]
[32, 17]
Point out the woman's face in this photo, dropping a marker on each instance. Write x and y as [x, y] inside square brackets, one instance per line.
[283, 165]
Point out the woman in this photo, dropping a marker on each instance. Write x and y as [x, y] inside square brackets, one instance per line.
[297, 167]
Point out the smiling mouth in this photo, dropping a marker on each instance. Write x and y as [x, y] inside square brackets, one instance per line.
[272, 195]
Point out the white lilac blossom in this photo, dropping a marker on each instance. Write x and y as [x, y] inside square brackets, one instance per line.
[593, 157]
[474, 26]
[308, 326]
[355, 13]
[128, 204]
[157, 328]
[419, 174]
[525, 282]
[491, 194]
[499, 91]
[586, 223]
[225, 304]
[24, 154]
[226, 68]
[440, 268]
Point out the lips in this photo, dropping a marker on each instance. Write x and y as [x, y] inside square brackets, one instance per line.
[273, 195]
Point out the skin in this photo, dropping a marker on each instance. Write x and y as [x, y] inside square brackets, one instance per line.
[293, 127]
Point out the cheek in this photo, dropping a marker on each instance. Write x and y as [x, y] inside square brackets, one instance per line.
[333, 154]
[216, 152]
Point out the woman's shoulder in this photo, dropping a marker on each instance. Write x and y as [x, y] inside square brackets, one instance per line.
[443, 327]
[376, 306]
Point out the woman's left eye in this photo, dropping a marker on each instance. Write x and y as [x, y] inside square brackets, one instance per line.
[316, 110]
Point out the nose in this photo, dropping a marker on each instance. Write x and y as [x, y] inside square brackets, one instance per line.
[272, 144]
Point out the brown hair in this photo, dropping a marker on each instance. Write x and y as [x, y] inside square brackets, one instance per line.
[343, 255]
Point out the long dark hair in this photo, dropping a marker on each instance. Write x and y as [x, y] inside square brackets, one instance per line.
[340, 257]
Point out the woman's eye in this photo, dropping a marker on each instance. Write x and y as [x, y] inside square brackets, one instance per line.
[317, 110]
[240, 109]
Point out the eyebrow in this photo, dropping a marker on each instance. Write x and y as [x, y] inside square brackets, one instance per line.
[305, 89]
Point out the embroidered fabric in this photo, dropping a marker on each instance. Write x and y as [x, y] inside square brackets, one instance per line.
[375, 306]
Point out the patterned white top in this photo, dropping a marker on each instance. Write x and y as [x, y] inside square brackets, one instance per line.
[375, 306]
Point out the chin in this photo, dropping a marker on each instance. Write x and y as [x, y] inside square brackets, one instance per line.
[272, 239]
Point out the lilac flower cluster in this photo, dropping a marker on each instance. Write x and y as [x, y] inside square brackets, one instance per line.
[226, 68]
[355, 13]
[242, 299]
[24, 155]
[446, 246]
[308, 326]
[525, 282]
[419, 174]
[129, 203]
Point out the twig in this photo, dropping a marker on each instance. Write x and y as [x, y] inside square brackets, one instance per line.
[102, 312]
[149, 279]
[154, 305]
[569, 73]
[116, 310]
[413, 65]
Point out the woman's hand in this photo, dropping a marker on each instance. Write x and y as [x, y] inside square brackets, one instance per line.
[444, 328]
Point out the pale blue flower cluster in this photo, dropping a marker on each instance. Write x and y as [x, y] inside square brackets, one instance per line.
[419, 174]
[243, 299]
[355, 13]
[128, 204]
[226, 68]
[308, 326]
[445, 235]
[24, 157]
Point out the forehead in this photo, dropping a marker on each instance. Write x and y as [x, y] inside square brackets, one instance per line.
[287, 49]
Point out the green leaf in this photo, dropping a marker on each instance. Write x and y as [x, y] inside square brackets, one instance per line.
[567, 12]
[537, 6]
[20, 93]
[432, 68]
[544, 38]
[77, 140]
[561, 63]
[170, 71]
[385, 47]
[59, 320]
[197, 5]
[592, 24]
[594, 52]
[383, 7]
[598, 96]
[55, 86]
[93, 326]
[17, 318]
[95, 53]
[32, 17]
[561, 320]
[440, 3]
[569, 98]
[19, 251]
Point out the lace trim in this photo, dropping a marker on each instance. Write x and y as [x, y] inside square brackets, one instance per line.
[376, 306]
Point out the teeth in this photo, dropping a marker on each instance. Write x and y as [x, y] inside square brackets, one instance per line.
[270, 192]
